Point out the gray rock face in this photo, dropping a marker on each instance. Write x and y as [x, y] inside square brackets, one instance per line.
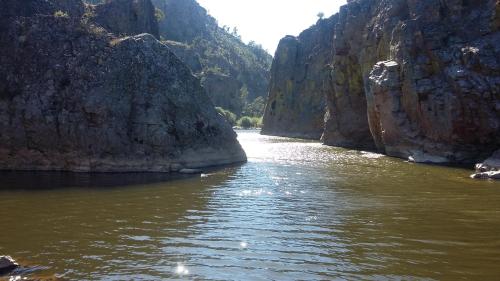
[414, 78]
[224, 90]
[296, 103]
[346, 120]
[75, 98]
[185, 20]
[438, 94]
[126, 17]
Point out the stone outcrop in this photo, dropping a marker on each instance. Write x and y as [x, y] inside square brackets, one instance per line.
[489, 169]
[296, 103]
[126, 17]
[74, 97]
[7, 264]
[417, 79]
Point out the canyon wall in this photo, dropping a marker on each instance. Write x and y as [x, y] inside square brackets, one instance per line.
[296, 103]
[233, 73]
[75, 97]
[417, 79]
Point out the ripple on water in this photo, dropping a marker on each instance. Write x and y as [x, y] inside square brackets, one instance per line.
[297, 210]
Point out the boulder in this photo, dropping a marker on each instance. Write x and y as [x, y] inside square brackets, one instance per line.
[489, 168]
[7, 264]
[493, 162]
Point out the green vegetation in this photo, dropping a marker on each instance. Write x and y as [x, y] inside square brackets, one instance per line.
[227, 57]
[61, 14]
[233, 73]
[247, 122]
[255, 108]
[159, 15]
[230, 117]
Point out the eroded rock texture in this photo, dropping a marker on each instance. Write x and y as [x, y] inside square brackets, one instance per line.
[437, 97]
[126, 17]
[296, 103]
[74, 97]
[416, 78]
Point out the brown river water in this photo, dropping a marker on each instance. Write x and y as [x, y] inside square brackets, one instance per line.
[297, 210]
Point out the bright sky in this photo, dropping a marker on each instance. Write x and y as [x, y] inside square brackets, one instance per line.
[267, 21]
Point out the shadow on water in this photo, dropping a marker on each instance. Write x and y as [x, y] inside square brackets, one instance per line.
[36, 180]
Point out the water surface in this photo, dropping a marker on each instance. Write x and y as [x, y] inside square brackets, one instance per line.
[296, 211]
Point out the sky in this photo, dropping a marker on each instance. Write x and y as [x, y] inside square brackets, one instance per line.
[267, 21]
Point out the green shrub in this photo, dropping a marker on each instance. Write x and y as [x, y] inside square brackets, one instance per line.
[245, 122]
[228, 115]
[159, 15]
[257, 122]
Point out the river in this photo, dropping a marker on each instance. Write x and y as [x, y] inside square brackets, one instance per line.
[297, 210]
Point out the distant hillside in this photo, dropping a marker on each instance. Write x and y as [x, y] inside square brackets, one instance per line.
[235, 75]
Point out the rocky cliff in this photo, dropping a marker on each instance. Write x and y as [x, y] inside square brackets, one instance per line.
[233, 73]
[74, 97]
[416, 79]
[296, 104]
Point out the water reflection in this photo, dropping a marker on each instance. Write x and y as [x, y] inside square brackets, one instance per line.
[297, 211]
[20, 180]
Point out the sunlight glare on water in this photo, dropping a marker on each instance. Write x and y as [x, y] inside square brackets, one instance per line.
[297, 210]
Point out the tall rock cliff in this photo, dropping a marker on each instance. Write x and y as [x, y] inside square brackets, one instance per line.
[296, 104]
[233, 73]
[416, 78]
[74, 97]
